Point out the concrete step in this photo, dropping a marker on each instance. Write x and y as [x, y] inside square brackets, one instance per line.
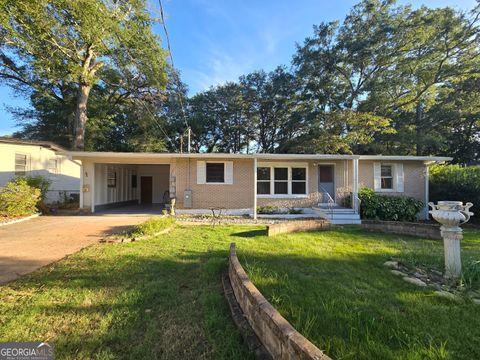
[335, 210]
[346, 216]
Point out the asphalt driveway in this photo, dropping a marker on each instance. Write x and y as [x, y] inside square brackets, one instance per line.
[29, 245]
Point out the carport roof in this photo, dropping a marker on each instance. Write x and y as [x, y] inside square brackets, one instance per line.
[80, 155]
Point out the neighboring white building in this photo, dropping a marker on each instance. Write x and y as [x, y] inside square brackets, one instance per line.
[26, 157]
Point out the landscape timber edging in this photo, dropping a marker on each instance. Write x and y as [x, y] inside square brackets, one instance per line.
[297, 225]
[277, 335]
[429, 231]
[22, 219]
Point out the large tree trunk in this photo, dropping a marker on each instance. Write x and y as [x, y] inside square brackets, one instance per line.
[81, 116]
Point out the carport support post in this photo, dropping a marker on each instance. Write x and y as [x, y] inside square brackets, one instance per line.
[82, 174]
[92, 188]
[255, 188]
[355, 204]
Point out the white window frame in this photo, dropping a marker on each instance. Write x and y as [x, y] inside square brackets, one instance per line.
[393, 176]
[25, 172]
[272, 167]
[55, 169]
[398, 181]
[228, 167]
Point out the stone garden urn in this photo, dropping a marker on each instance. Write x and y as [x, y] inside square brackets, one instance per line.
[451, 214]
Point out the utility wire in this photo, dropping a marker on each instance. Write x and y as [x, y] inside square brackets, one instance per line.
[175, 75]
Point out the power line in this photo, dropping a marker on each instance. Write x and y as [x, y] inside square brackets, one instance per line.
[175, 75]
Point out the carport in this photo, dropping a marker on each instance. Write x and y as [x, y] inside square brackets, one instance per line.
[116, 183]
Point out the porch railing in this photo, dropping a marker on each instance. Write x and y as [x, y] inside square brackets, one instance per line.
[355, 201]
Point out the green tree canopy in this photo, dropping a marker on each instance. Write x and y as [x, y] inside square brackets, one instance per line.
[54, 47]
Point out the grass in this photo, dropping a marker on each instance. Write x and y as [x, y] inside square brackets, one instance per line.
[162, 297]
[333, 288]
[152, 299]
[153, 226]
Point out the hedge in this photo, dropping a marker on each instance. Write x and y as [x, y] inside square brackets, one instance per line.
[388, 207]
[457, 183]
[17, 198]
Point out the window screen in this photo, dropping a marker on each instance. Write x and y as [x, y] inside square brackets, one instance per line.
[111, 177]
[215, 172]
[281, 180]
[299, 181]
[20, 164]
[387, 177]
[263, 180]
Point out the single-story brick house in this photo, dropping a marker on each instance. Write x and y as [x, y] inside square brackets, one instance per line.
[29, 157]
[241, 182]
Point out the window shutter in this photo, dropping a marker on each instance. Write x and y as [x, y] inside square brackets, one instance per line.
[228, 172]
[377, 176]
[201, 172]
[399, 186]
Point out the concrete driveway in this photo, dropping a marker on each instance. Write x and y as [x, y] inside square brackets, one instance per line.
[29, 245]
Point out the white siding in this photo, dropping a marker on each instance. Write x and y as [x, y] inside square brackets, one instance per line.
[67, 177]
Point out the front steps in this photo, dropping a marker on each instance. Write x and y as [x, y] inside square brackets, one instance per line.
[338, 215]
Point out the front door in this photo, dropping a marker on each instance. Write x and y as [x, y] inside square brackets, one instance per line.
[326, 182]
[146, 189]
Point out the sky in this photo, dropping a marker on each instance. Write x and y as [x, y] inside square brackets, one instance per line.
[214, 41]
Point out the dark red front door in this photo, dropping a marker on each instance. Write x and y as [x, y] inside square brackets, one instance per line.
[146, 189]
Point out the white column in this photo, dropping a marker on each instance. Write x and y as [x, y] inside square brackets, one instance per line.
[355, 184]
[255, 188]
[92, 188]
[427, 194]
[82, 174]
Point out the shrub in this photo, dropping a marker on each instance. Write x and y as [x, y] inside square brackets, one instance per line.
[153, 226]
[38, 182]
[388, 207]
[267, 210]
[455, 182]
[17, 198]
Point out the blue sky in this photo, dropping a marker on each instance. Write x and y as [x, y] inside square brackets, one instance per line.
[214, 41]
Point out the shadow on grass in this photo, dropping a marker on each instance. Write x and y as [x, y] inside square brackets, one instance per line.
[116, 302]
[159, 299]
[354, 305]
[250, 233]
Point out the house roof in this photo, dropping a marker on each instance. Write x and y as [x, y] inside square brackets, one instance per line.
[45, 144]
[79, 155]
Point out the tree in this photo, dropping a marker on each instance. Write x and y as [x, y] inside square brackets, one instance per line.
[51, 46]
[268, 105]
[335, 70]
[434, 47]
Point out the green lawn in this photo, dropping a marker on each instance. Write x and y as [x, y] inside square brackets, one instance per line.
[333, 288]
[162, 298]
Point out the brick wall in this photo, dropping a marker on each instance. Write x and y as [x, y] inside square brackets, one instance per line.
[238, 195]
[280, 338]
[297, 225]
[429, 231]
[414, 178]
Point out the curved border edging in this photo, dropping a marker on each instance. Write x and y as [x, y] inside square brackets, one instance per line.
[277, 335]
[429, 231]
[16, 221]
[297, 225]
